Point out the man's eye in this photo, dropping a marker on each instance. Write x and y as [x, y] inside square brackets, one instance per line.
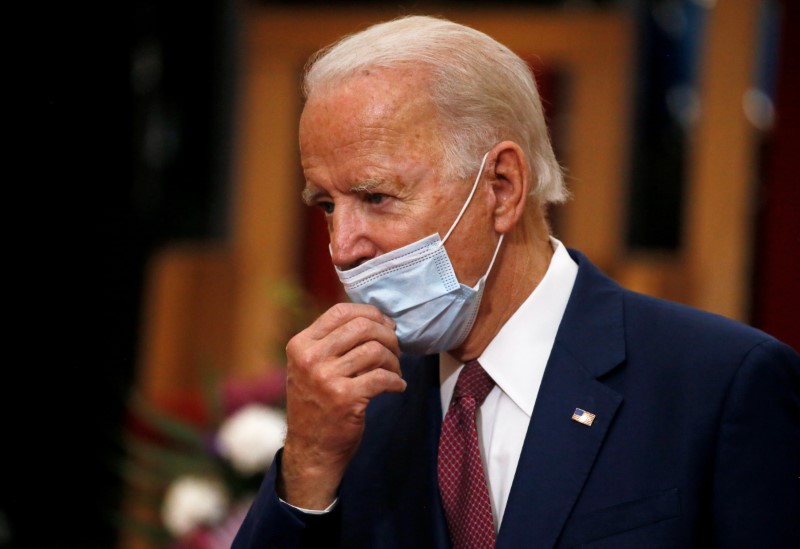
[327, 207]
[375, 198]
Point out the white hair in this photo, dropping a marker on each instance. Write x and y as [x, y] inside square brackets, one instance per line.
[483, 92]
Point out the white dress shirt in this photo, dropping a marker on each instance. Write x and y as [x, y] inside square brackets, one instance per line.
[515, 359]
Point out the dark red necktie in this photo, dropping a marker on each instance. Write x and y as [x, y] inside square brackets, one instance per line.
[465, 493]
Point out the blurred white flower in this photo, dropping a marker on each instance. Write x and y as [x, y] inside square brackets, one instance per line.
[251, 437]
[191, 502]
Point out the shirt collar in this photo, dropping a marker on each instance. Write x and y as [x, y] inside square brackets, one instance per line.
[517, 356]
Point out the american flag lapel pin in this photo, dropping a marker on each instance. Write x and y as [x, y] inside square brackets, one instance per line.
[583, 417]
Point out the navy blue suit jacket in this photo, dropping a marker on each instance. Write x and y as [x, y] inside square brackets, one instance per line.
[696, 442]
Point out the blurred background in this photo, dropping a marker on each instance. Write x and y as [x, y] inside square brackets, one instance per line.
[174, 249]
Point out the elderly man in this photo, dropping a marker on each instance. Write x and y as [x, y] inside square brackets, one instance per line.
[486, 386]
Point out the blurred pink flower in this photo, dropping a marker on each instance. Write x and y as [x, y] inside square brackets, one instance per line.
[269, 389]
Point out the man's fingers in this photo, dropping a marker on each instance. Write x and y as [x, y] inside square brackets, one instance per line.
[367, 357]
[358, 331]
[378, 381]
[341, 328]
[342, 313]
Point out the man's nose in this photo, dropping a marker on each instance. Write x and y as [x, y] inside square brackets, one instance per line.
[351, 244]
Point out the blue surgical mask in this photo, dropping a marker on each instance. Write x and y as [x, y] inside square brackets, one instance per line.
[417, 287]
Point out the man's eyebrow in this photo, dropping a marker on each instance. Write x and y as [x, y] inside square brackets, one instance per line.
[366, 186]
[311, 194]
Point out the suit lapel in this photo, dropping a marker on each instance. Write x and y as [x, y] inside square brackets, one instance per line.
[559, 453]
[419, 519]
[441, 537]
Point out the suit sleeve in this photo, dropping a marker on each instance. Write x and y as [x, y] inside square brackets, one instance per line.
[271, 523]
[756, 483]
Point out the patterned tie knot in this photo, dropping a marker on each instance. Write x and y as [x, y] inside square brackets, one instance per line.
[473, 381]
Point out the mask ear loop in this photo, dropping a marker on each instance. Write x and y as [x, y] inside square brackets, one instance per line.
[469, 199]
[497, 249]
[464, 208]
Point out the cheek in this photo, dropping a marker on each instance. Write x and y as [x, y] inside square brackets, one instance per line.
[390, 236]
[473, 244]
[469, 265]
[441, 213]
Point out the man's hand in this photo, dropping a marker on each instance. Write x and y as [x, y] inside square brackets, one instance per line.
[335, 366]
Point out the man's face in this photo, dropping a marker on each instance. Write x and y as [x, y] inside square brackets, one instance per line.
[371, 156]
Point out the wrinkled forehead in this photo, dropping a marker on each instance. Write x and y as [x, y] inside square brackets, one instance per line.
[371, 106]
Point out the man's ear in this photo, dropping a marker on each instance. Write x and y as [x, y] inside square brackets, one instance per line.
[510, 185]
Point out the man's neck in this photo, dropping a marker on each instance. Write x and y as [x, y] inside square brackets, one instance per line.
[521, 264]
